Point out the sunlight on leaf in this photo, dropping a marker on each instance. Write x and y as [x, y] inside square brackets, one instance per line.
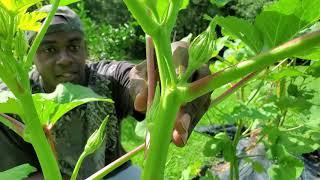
[19, 172]
[9, 103]
[65, 2]
[51, 107]
[30, 21]
[15, 6]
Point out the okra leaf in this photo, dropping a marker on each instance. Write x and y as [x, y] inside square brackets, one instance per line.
[285, 72]
[284, 19]
[287, 166]
[65, 2]
[14, 6]
[50, 107]
[19, 172]
[9, 103]
[297, 143]
[220, 143]
[30, 21]
[243, 30]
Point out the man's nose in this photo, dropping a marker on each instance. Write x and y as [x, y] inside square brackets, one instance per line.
[64, 58]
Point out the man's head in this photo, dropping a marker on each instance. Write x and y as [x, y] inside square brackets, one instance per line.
[62, 53]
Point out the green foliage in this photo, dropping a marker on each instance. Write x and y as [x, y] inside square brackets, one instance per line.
[50, 107]
[106, 41]
[19, 172]
[248, 9]
[242, 29]
[220, 143]
[8, 103]
[262, 36]
[287, 165]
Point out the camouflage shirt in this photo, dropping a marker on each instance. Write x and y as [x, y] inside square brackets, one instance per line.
[108, 79]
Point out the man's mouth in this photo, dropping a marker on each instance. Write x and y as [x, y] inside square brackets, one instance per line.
[66, 77]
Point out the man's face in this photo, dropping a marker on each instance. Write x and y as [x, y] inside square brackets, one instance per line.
[61, 58]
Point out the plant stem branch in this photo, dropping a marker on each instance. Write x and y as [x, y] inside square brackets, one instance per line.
[161, 135]
[139, 11]
[77, 167]
[40, 35]
[110, 167]
[151, 69]
[45, 154]
[256, 64]
[167, 73]
[232, 89]
[13, 124]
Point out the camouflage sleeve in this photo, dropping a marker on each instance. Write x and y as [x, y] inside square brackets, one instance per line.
[118, 73]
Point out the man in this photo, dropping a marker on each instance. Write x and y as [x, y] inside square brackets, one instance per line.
[61, 58]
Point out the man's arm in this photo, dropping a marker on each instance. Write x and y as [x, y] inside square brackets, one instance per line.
[118, 72]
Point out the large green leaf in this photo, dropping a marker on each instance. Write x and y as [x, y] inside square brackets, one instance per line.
[30, 21]
[287, 166]
[19, 172]
[9, 103]
[51, 107]
[284, 19]
[297, 143]
[285, 72]
[14, 6]
[242, 30]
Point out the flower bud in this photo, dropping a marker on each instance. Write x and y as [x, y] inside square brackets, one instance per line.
[201, 48]
[96, 139]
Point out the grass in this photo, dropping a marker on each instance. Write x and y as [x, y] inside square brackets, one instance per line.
[178, 159]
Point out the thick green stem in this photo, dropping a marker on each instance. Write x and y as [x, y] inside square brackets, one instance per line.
[164, 59]
[258, 63]
[41, 34]
[234, 165]
[173, 13]
[35, 134]
[161, 135]
[139, 11]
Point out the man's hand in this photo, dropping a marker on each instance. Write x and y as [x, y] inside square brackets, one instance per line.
[189, 114]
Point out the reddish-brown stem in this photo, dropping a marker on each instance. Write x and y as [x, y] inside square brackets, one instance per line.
[47, 132]
[17, 126]
[151, 70]
[232, 89]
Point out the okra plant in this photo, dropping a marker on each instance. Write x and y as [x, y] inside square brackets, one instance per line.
[38, 112]
[274, 36]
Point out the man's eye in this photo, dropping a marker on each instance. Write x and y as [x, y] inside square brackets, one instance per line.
[49, 50]
[74, 47]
